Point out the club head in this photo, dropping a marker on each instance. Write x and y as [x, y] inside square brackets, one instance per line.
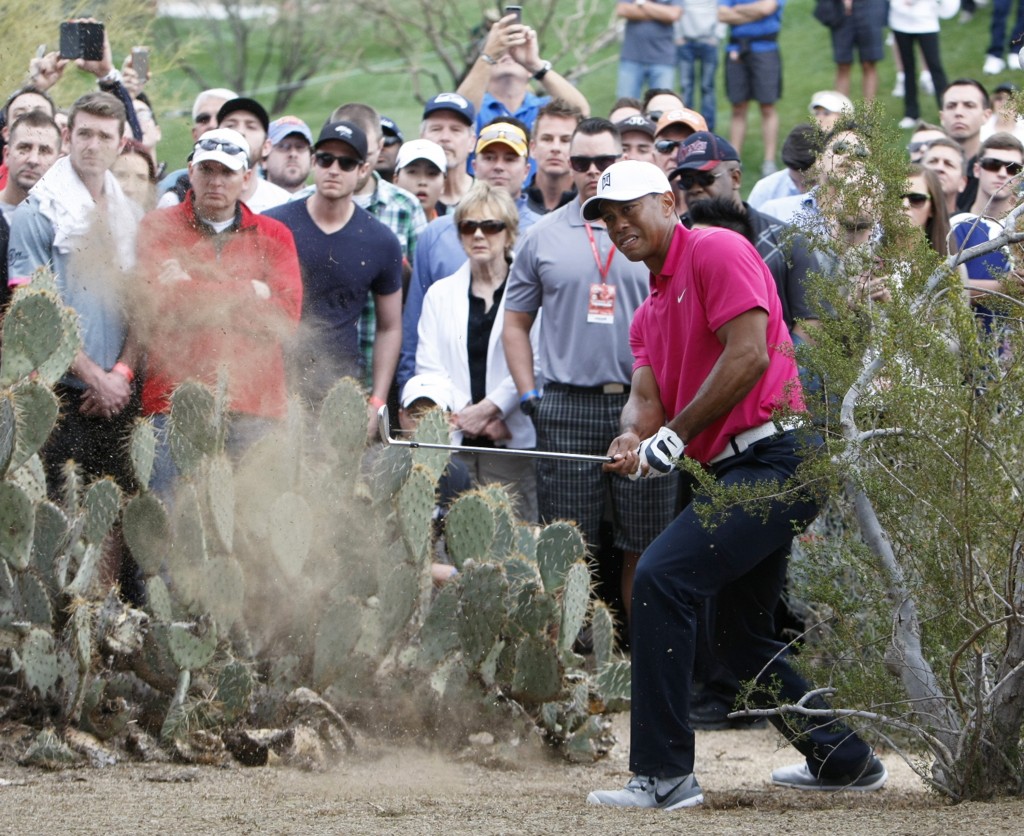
[384, 424]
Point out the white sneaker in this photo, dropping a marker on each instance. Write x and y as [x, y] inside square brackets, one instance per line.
[898, 90]
[797, 776]
[927, 85]
[994, 65]
[654, 793]
[1013, 60]
[907, 122]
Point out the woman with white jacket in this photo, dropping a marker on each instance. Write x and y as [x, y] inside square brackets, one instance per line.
[460, 338]
[917, 21]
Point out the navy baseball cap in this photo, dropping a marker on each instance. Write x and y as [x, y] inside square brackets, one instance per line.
[249, 106]
[347, 132]
[389, 127]
[703, 151]
[454, 102]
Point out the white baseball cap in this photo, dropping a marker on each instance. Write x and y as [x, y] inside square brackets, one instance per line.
[434, 387]
[421, 149]
[624, 181]
[223, 145]
[830, 100]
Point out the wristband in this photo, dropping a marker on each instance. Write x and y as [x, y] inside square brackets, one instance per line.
[376, 402]
[124, 371]
[533, 393]
[487, 59]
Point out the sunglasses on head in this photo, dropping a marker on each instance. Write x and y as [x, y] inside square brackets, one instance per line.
[992, 164]
[688, 178]
[326, 160]
[915, 199]
[852, 148]
[918, 147]
[654, 115]
[488, 227]
[219, 145]
[602, 161]
[667, 146]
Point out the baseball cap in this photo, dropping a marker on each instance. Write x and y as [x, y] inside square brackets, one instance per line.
[830, 100]
[636, 123]
[433, 387]
[222, 145]
[286, 126]
[421, 149]
[389, 127]
[453, 102]
[1006, 87]
[624, 181]
[249, 106]
[503, 133]
[703, 151]
[684, 116]
[347, 132]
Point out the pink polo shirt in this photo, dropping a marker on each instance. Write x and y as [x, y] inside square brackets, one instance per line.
[710, 277]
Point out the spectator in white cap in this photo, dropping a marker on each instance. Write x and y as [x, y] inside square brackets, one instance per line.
[421, 168]
[290, 157]
[827, 106]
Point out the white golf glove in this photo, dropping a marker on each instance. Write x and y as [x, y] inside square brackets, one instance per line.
[661, 452]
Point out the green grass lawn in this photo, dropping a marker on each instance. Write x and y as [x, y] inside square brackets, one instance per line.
[807, 67]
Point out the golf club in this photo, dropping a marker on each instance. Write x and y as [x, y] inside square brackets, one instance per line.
[384, 428]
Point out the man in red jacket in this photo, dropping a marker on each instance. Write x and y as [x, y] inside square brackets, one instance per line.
[222, 289]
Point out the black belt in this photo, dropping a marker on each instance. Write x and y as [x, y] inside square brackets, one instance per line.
[603, 389]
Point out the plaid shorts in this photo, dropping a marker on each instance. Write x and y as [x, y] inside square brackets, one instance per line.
[571, 420]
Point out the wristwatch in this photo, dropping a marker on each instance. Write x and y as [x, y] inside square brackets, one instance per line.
[543, 71]
[528, 405]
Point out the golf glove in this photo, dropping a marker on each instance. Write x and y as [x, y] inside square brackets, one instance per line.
[660, 451]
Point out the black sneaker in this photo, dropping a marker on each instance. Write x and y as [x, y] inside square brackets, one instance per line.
[798, 776]
[713, 715]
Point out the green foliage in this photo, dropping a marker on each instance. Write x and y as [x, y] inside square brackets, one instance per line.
[39, 336]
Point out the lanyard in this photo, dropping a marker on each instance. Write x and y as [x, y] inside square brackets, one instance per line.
[603, 271]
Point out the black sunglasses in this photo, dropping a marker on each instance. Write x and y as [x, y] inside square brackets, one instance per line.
[203, 118]
[218, 145]
[915, 199]
[992, 164]
[488, 227]
[654, 115]
[689, 178]
[326, 160]
[667, 146]
[602, 161]
[844, 147]
[391, 140]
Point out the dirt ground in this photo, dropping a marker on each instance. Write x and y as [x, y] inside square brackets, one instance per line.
[388, 790]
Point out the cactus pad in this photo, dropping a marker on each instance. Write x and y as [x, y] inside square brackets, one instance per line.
[222, 589]
[146, 531]
[39, 335]
[40, 667]
[559, 546]
[32, 601]
[291, 534]
[575, 600]
[343, 420]
[36, 410]
[17, 524]
[220, 499]
[432, 429]
[7, 424]
[142, 451]
[537, 677]
[602, 627]
[415, 507]
[336, 637]
[191, 426]
[613, 685]
[80, 628]
[101, 504]
[438, 636]
[482, 609]
[192, 645]
[158, 599]
[469, 529]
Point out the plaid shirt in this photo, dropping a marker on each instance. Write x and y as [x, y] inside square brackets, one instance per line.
[400, 212]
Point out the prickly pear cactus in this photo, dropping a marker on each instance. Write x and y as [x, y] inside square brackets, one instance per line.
[482, 609]
[39, 663]
[17, 524]
[221, 591]
[469, 529]
[432, 429]
[8, 421]
[101, 505]
[602, 627]
[343, 421]
[192, 428]
[291, 535]
[39, 335]
[142, 451]
[538, 675]
[146, 531]
[192, 645]
[36, 410]
[575, 601]
[415, 507]
[234, 689]
[220, 500]
[558, 547]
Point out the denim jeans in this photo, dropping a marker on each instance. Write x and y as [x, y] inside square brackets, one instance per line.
[740, 561]
[633, 75]
[690, 54]
[1000, 15]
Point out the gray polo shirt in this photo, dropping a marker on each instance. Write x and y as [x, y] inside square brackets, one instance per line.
[555, 269]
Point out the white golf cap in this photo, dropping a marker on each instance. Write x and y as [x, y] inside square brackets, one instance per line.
[830, 100]
[433, 387]
[624, 181]
[421, 149]
[222, 145]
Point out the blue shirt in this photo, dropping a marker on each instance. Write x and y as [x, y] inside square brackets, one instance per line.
[757, 30]
[650, 41]
[491, 108]
[969, 231]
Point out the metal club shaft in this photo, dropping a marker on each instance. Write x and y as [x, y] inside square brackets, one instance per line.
[384, 430]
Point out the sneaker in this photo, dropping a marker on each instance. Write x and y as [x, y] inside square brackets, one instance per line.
[1013, 60]
[713, 715]
[907, 122]
[768, 167]
[654, 793]
[926, 83]
[899, 89]
[799, 777]
[993, 65]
